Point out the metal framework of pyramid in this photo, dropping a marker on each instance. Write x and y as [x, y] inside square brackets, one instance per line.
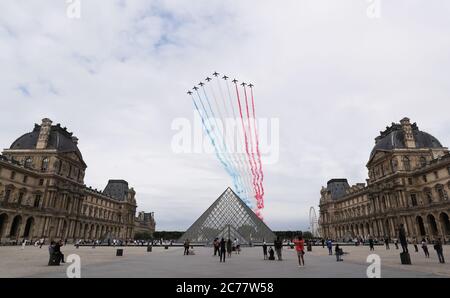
[229, 218]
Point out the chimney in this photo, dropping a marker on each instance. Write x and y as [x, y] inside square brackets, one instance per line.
[409, 140]
[44, 134]
[75, 140]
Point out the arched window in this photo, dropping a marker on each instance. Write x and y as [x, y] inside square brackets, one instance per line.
[28, 162]
[406, 163]
[422, 161]
[44, 166]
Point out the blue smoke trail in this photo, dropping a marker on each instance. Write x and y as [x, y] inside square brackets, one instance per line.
[232, 172]
[208, 132]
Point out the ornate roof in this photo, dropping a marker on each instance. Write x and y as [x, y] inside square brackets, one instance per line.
[59, 139]
[393, 138]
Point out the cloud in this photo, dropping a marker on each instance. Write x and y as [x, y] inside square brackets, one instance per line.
[117, 77]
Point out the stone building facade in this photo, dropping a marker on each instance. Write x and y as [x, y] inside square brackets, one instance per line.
[145, 223]
[409, 183]
[42, 192]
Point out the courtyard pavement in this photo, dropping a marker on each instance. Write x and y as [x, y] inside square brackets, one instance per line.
[137, 262]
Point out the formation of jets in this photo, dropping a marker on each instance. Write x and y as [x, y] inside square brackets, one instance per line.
[216, 74]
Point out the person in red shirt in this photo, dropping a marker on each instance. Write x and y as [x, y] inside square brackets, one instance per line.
[300, 248]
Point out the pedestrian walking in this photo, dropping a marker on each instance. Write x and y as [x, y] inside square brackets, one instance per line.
[186, 247]
[425, 248]
[439, 250]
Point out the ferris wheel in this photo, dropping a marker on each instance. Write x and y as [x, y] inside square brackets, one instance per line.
[313, 222]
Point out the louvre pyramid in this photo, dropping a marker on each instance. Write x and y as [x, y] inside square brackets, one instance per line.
[228, 217]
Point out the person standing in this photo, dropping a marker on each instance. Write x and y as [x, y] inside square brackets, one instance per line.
[439, 250]
[371, 245]
[216, 246]
[300, 248]
[265, 250]
[223, 250]
[330, 247]
[42, 241]
[402, 238]
[278, 247]
[338, 253]
[416, 248]
[425, 248]
[229, 247]
[57, 250]
[186, 247]
[238, 246]
[323, 243]
[386, 242]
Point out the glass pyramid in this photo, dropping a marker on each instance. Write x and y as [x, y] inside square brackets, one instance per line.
[229, 218]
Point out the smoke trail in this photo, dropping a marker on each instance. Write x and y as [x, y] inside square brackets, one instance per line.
[257, 148]
[208, 132]
[236, 161]
[258, 196]
[255, 187]
[233, 173]
[241, 159]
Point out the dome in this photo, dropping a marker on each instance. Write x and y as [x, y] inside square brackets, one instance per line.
[59, 139]
[394, 138]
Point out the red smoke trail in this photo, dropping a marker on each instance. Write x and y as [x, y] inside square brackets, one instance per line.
[258, 196]
[257, 148]
[255, 187]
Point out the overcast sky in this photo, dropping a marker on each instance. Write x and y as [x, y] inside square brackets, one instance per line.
[332, 74]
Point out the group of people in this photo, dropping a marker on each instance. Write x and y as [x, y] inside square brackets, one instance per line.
[269, 254]
[224, 248]
[402, 240]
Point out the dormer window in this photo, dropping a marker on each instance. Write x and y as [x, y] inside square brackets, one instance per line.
[423, 161]
[406, 164]
[28, 162]
[44, 166]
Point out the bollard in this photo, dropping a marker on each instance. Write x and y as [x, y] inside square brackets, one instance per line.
[119, 252]
[149, 249]
[405, 258]
[166, 247]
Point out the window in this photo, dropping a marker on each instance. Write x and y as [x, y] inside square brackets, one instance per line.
[13, 175]
[37, 201]
[410, 181]
[25, 179]
[7, 195]
[428, 195]
[406, 164]
[413, 200]
[20, 198]
[28, 162]
[441, 192]
[448, 170]
[44, 166]
[41, 182]
[394, 165]
[423, 161]
[436, 175]
[424, 177]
